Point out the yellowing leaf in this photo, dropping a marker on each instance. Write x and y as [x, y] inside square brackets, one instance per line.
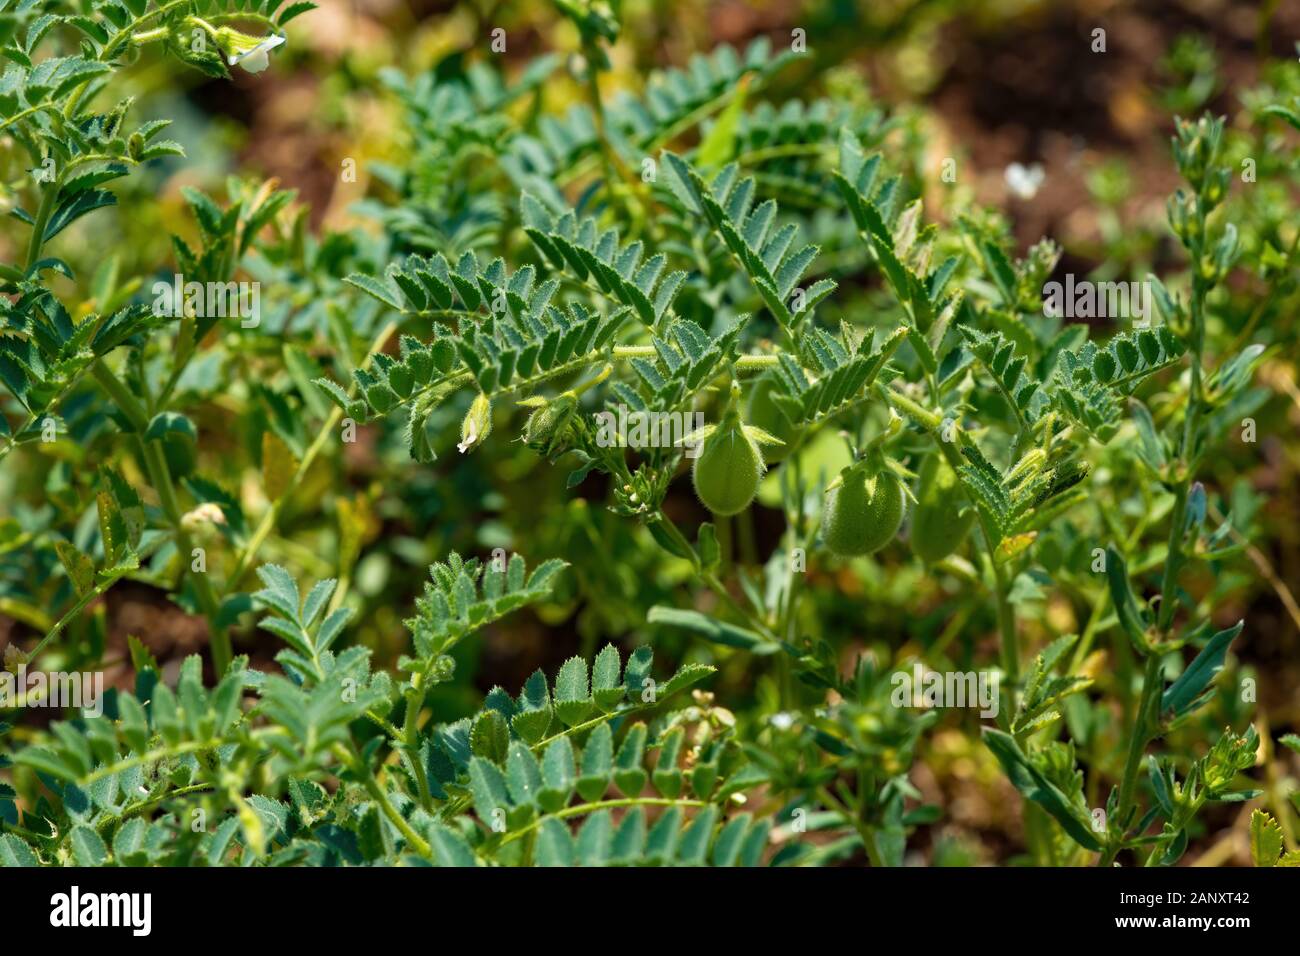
[81, 571]
[354, 522]
[112, 528]
[278, 466]
[1265, 839]
[720, 143]
[1012, 547]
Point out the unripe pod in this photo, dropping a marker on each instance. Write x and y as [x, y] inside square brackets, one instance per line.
[862, 514]
[727, 471]
[767, 415]
[938, 523]
[547, 428]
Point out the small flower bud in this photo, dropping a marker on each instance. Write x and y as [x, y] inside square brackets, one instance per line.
[444, 668]
[477, 424]
[206, 513]
[547, 429]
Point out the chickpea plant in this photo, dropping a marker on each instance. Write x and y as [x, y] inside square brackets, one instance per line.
[686, 249]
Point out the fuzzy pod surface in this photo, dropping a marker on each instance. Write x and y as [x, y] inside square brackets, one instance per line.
[727, 471]
[862, 514]
[939, 525]
[547, 427]
[767, 415]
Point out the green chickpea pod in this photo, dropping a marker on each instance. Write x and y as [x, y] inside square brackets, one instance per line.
[729, 466]
[863, 512]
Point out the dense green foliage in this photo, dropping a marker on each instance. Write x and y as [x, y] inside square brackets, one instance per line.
[877, 378]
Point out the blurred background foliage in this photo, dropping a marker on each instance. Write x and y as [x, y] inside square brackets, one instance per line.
[989, 84]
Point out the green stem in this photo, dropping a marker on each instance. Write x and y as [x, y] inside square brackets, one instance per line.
[148, 36]
[1138, 740]
[269, 518]
[710, 580]
[864, 830]
[1187, 457]
[1095, 615]
[30, 111]
[43, 213]
[1173, 557]
[160, 476]
[151, 802]
[670, 528]
[724, 595]
[358, 766]
[75, 610]
[1146, 718]
[384, 725]
[124, 35]
[619, 181]
[130, 406]
[163, 753]
[1006, 618]
[411, 738]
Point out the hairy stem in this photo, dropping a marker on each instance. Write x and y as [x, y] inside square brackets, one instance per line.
[411, 738]
[358, 767]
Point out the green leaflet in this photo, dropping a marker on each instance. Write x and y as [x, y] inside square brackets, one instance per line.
[597, 763]
[88, 847]
[713, 629]
[1132, 618]
[1265, 839]
[581, 696]
[771, 266]
[1044, 692]
[14, 852]
[573, 701]
[464, 596]
[1030, 781]
[1184, 694]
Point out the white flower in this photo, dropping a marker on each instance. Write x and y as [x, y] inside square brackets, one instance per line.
[1024, 181]
[206, 513]
[257, 59]
[477, 423]
[782, 721]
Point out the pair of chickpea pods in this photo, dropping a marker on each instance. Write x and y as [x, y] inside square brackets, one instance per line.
[864, 506]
